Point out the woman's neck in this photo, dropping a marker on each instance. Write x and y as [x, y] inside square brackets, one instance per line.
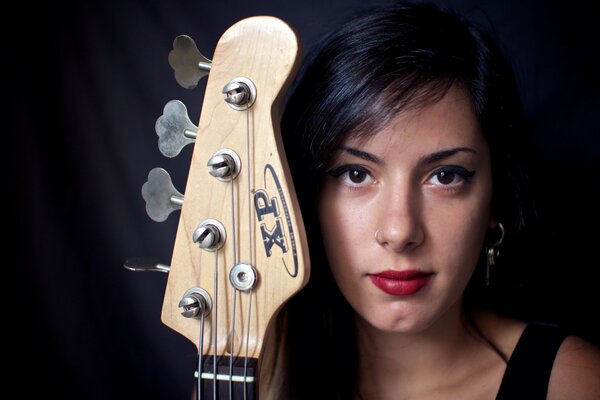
[441, 355]
[407, 350]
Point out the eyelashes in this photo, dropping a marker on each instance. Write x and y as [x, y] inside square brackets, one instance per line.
[447, 176]
[450, 175]
[352, 174]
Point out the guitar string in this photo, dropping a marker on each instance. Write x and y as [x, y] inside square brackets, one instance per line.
[250, 150]
[231, 346]
[215, 314]
[247, 344]
[234, 303]
[200, 360]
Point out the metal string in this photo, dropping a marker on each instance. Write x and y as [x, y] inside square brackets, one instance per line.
[200, 359]
[234, 304]
[215, 313]
[250, 154]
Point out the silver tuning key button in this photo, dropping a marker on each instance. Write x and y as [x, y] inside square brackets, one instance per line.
[195, 303]
[240, 93]
[160, 195]
[188, 63]
[174, 128]
[224, 165]
[210, 235]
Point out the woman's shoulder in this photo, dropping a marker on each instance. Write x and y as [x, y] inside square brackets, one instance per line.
[504, 332]
[572, 363]
[576, 371]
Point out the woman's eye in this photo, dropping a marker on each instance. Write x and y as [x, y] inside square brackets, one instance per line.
[351, 175]
[357, 176]
[450, 176]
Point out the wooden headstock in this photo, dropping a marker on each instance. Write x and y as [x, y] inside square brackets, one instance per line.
[255, 213]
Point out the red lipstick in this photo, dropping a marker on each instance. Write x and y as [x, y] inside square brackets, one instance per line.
[400, 283]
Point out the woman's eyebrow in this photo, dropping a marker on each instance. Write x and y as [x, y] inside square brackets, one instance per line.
[426, 159]
[362, 154]
[440, 155]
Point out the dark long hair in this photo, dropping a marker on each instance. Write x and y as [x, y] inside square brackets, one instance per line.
[382, 61]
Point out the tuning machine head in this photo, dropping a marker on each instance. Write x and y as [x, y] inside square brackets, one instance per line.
[240, 93]
[188, 63]
[174, 128]
[160, 195]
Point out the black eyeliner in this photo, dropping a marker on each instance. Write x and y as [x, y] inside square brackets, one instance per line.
[455, 169]
[339, 171]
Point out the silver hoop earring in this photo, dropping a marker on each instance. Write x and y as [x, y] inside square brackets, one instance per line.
[493, 252]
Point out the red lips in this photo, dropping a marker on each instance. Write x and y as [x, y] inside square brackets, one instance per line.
[401, 283]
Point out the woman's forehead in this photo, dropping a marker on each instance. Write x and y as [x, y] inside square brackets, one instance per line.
[451, 118]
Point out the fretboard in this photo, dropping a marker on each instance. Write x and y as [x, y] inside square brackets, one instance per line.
[234, 380]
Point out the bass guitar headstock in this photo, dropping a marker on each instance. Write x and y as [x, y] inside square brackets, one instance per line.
[240, 250]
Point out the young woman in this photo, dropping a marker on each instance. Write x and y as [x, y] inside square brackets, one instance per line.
[407, 144]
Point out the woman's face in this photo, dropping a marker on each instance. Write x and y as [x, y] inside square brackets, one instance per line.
[404, 214]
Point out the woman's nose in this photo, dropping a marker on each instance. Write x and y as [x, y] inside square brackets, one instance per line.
[399, 227]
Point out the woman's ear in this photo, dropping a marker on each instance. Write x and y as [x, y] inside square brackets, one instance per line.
[493, 223]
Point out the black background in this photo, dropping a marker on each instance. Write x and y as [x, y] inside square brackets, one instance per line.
[86, 82]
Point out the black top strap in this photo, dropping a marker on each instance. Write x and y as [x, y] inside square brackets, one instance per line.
[528, 371]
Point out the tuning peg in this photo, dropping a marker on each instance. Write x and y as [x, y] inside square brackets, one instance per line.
[161, 196]
[188, 63]
[195, 303]
[145, 264]
[174, 128]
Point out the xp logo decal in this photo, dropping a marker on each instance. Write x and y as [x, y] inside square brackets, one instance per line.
[276, 229]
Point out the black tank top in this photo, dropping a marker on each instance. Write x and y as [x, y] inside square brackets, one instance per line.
[528, 371]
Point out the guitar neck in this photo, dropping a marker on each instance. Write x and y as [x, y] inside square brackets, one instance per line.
[236, 378]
